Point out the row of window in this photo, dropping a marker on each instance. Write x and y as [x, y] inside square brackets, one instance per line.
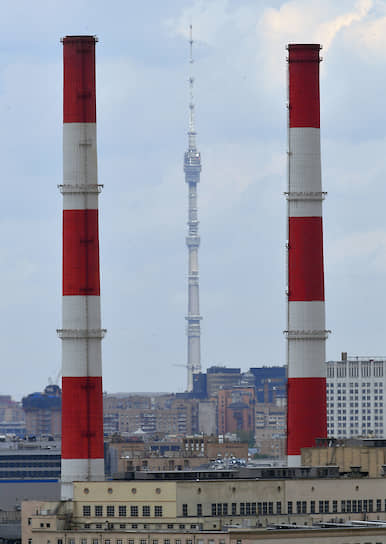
[181, 526]
[300, 507]
[53, 473]
[249, 508]
[122, 511]
[133, 541]
[353, 370]
[245, 509]
[31, 464]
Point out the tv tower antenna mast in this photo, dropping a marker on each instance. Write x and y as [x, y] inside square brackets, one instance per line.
[192, 169]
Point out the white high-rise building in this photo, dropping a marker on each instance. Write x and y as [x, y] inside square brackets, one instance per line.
[355, 397]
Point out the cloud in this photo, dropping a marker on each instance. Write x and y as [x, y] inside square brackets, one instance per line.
[362, 251]
[328, 30]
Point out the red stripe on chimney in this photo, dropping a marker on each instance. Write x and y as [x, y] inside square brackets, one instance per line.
[80, 253]
[82, 418]
[305, 259]
[79, 103]
[304, 109]
[307, 413]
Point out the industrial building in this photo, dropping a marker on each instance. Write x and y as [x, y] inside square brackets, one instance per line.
[363, 457]
[204, 502]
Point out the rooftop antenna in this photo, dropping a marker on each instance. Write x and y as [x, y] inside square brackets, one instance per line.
[192, 129]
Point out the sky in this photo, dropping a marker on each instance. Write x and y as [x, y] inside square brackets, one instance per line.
[240, 74]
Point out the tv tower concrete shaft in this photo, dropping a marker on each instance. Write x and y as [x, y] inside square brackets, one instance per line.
[192, 169]
[82, 409]
[306, 334]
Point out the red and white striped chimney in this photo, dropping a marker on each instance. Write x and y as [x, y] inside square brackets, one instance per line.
[82, 410]
[306, 334]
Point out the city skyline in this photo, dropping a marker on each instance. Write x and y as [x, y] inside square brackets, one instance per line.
[142, 94]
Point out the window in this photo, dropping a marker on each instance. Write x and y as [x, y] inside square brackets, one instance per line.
[343, 506]
[234, 509]
[248, 508]
[158, 511]
[312, 507]
[334, 506]
[166, 541]
[242, 509]
[199, 509]
[59, 541]
[298, 507]
[146, 511]
[225, 509]
[122, 525]
[118, 541]
[130, 541]
[289, 507]
[379, 505]
[107, 541]
[134, 511]
[278, 508]
[184, 509]
[87, 510]
[134, 525]
[214, 509]
[270, 508]
[110, 510]
[304, 507]
[84, 541]
[170, 525]
[98, 511]
[122, 511]
[253, 509]
[143, 541]
[98, 526]
[71, 541]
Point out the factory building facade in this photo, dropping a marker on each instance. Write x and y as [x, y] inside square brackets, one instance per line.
[129, 510]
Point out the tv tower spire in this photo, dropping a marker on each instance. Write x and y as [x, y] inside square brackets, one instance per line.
[192, 169]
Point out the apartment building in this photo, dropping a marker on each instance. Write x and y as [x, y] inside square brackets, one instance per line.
[355, 397]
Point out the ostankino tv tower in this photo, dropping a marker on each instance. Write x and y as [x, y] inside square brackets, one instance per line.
[192, 169]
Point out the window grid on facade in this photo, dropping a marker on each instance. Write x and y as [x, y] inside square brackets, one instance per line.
[158, 511]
